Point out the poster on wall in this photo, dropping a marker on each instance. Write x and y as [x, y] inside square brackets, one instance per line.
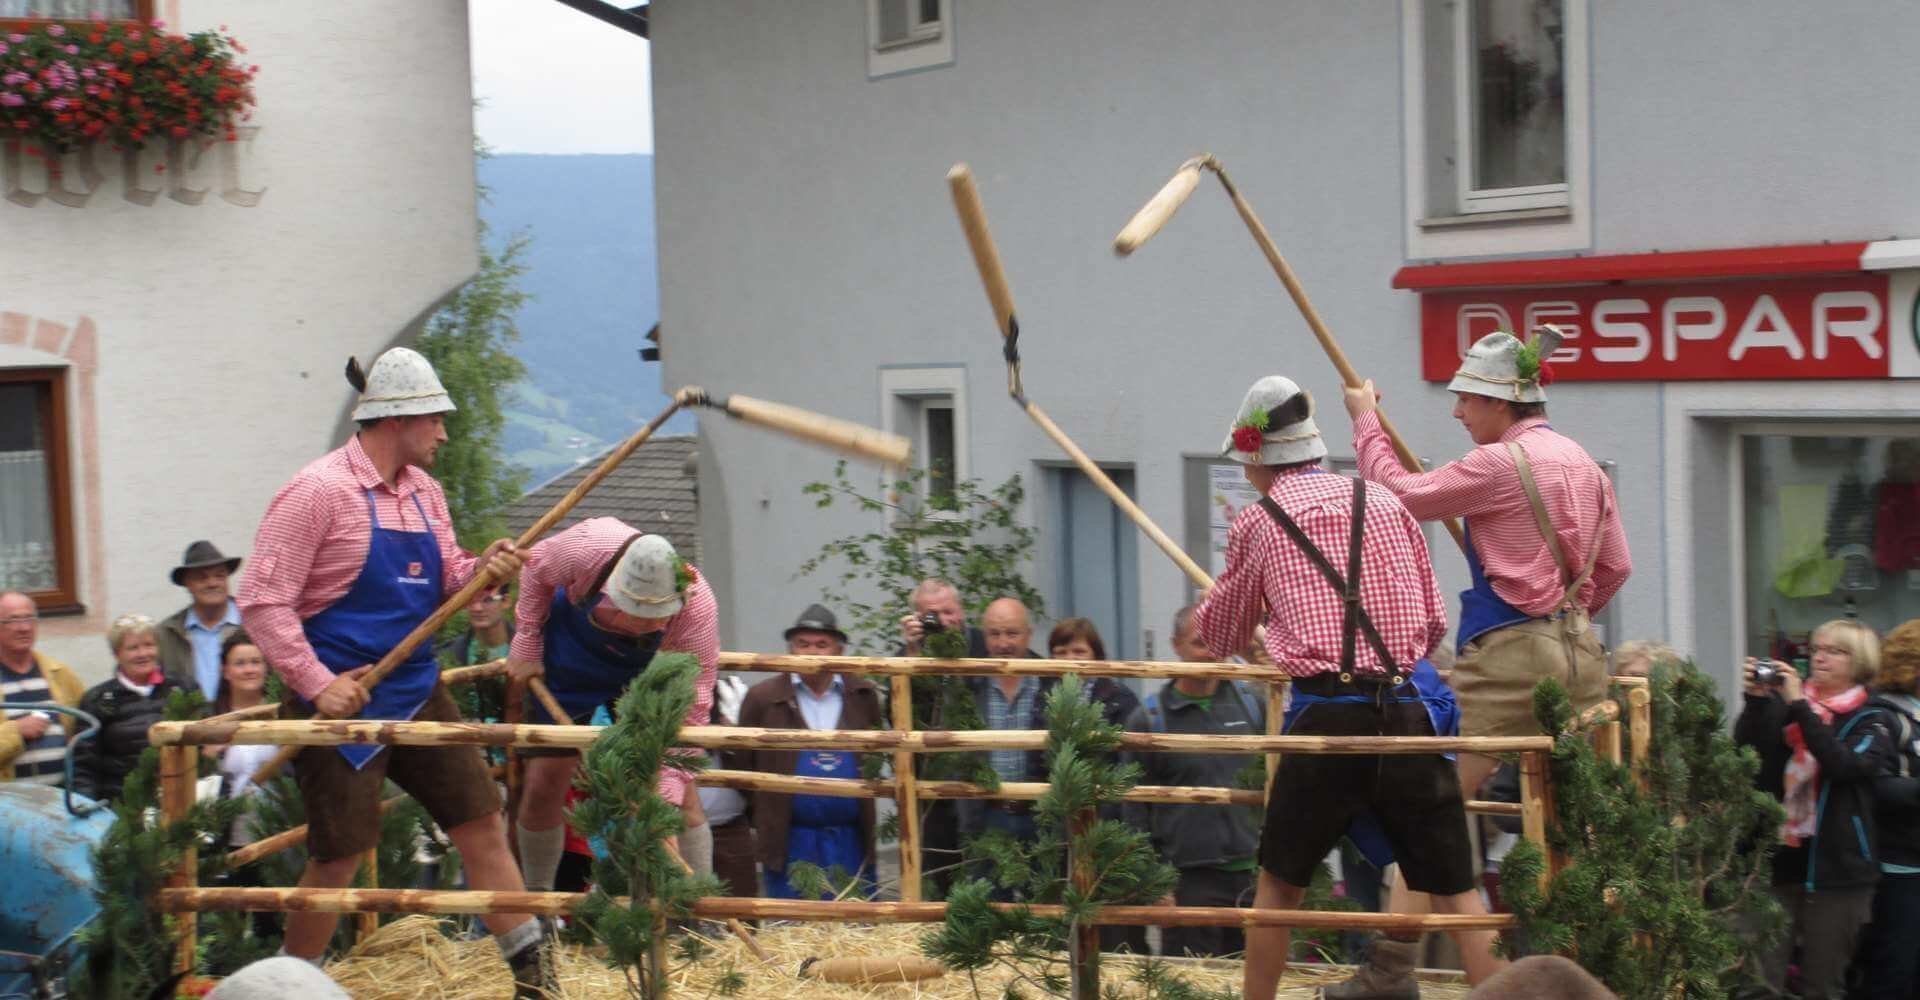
[1228, 492]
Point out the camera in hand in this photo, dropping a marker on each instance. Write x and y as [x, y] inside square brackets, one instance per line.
[930, 623]
[1765, 672]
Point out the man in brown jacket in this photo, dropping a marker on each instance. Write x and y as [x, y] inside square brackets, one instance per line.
[828, 831]
[33, 745]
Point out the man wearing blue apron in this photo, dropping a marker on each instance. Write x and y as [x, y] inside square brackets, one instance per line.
[1353, 637]
[354, 553]
[824, 830]
[597, 601]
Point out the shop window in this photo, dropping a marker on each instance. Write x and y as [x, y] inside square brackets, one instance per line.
[15, 13]
[904, 35]
[1831, 529]
[928, 407]
[37, 544]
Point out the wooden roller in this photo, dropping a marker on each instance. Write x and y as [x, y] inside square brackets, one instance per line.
[831, 432]
[1155, 213]
[871, 971]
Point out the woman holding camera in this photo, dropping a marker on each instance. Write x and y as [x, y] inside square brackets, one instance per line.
[1821, 746]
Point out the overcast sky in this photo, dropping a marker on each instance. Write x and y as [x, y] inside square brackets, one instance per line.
[550, 79]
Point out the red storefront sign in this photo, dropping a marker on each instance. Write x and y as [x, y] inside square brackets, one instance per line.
[1834, 326]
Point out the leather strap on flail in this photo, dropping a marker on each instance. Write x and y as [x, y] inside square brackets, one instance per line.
[1356, 618]
[1010, 350]
[1546, 529]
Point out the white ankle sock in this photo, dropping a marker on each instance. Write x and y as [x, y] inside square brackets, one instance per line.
[540, 852]
[524, 936]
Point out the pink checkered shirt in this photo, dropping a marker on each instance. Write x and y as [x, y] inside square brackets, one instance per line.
[312, 543]
[1305, 614]
[1484, 488]
[574, 559]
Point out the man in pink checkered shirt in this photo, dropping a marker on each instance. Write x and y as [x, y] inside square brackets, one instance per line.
[1340, 574]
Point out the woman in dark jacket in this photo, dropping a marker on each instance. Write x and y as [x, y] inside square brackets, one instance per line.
[127, 704]
[1891, 956]
[1078, 639]
[1820, 749]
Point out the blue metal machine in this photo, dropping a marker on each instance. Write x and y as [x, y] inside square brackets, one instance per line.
[47, 836]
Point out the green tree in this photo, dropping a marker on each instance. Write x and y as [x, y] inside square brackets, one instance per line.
[468, 341]
[968, 534]
[1665, 892]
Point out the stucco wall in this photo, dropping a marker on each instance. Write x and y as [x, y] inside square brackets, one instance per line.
[222, 327]
[807, 238]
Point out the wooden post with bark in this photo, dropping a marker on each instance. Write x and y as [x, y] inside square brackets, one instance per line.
[1083, 939]
[906, 798]
[179, 773]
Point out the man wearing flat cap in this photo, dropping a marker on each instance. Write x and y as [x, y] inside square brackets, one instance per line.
[828, 831]
[190, 639]
[597, 602]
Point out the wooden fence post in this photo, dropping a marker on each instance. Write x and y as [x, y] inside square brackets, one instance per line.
[179, 772]
[906, 800]
[365, 924]
[1536, 806]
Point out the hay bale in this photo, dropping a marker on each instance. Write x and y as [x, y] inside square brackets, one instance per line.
[414, 959]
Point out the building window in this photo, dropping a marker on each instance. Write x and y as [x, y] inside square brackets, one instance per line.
[36, 524]
[1831, 529]
[906, 35]
[929, 407]
[1510, 104]
[1496, 116]
[29, 12]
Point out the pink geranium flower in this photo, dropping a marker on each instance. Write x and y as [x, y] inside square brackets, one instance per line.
[56, 30]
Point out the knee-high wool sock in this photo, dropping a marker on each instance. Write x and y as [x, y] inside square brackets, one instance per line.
[540, 852]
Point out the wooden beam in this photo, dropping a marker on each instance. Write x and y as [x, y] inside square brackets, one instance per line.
[921, 666]
[337, 732]
[179, 772]
[723, 907]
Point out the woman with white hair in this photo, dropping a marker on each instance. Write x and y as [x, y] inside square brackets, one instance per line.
[127, 704]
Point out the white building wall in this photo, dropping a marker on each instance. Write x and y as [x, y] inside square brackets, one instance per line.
[807, 238]
[221, 327]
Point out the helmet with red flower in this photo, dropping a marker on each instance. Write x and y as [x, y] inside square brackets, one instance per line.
[1274, 426]
[1502, 366]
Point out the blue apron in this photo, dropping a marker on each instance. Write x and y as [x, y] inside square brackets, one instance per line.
[824, 829]
[1482, 610]
[1423, 685]
[587, 665]
[397, 589]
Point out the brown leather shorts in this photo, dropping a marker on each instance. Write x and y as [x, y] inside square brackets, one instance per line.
[343, 805]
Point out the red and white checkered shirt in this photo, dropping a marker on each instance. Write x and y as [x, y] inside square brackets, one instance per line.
[574, 559]
[1484, 488]
[1305, 614]
[312, 543]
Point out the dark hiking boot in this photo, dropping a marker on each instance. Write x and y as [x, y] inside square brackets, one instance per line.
[533, 972]
[1387, 974]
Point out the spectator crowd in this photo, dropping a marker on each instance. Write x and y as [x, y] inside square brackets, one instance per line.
[1840, 748]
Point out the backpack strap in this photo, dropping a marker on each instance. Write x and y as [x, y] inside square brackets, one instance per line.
[1349, 586]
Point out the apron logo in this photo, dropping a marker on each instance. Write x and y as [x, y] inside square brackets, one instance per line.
[415, 569]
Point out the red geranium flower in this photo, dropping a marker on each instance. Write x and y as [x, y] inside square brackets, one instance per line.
[1546, 373]
[1247, 439]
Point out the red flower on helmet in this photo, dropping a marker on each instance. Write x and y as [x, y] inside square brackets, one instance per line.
[1247, 439]
[1546, 373]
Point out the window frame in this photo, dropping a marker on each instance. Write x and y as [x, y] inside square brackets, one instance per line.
[143, 13]
[64, 598]
[928, 45]
[1476, 201]
[916, 389]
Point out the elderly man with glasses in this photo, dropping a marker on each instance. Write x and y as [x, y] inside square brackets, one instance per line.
[33, 745]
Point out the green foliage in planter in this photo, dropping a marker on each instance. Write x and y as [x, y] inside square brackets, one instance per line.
[1664, 893]
[65, 86]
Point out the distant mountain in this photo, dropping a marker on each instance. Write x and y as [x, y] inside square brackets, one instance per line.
[591, 272]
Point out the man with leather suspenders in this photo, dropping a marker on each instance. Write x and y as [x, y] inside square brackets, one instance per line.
[597, 601]
[354, 553]
[1351, 638]
[1545, 546]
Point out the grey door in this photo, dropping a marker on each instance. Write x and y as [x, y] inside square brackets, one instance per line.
[1097, 551]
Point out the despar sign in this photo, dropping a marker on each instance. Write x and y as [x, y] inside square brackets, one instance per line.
[1829, 327]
